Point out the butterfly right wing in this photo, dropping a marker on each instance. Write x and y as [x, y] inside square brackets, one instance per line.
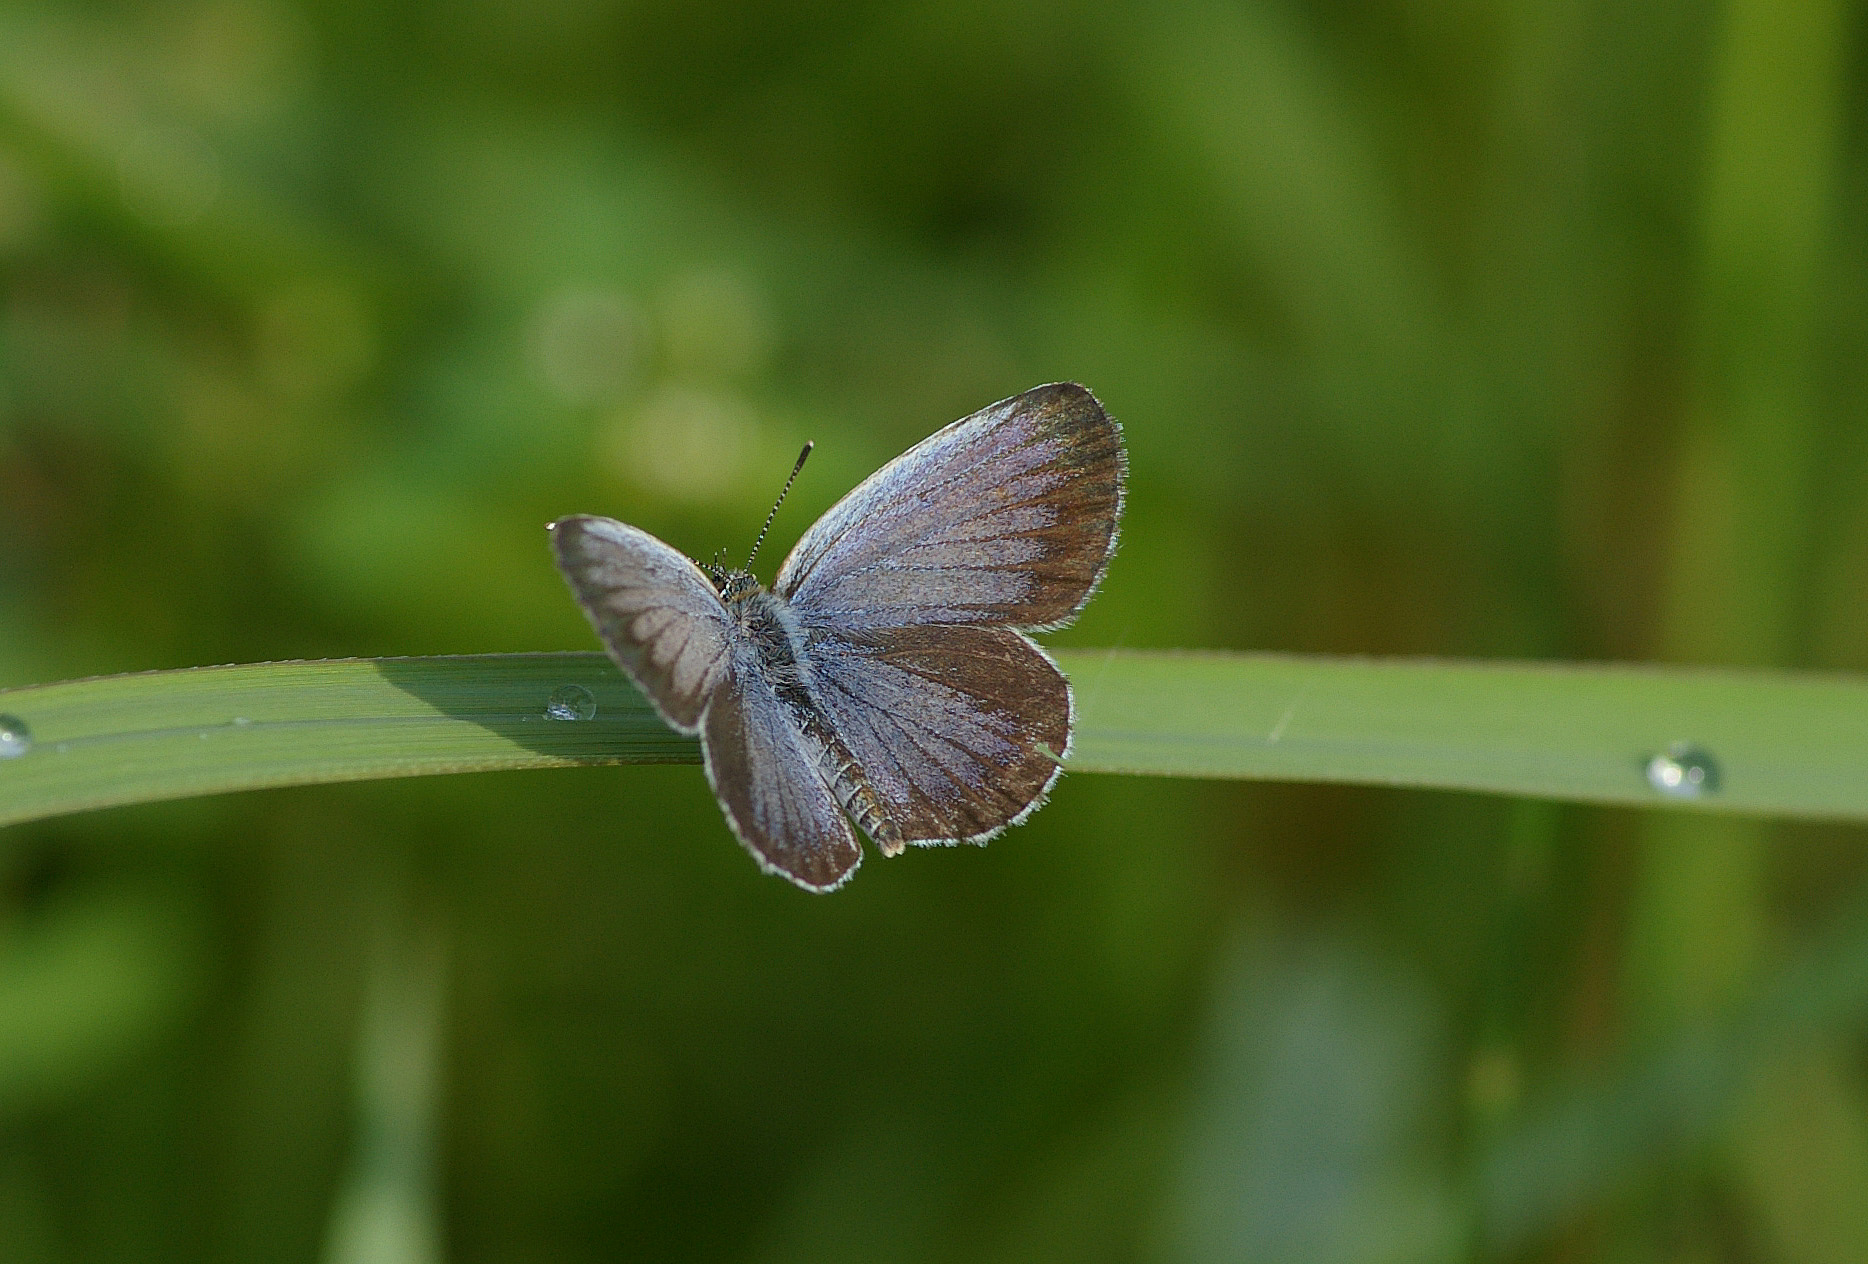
[915, 591]
[654, 610]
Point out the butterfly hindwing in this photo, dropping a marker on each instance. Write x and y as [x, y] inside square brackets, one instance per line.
[956, 730]
[654, 610]
[771, 785]
[1006, 517]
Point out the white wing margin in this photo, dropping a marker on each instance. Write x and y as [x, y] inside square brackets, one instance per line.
[654, 610]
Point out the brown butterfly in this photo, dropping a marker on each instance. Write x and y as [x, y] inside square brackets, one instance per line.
[888, 672]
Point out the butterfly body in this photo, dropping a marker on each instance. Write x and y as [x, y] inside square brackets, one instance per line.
[778, 652]
[888, 672]
[779, 644]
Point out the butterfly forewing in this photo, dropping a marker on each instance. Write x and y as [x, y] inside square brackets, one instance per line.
[1006, 517]
[655, 611]
[956, 730]
[771, 784]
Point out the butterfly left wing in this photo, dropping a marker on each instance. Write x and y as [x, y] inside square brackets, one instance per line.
[664, 624]
[654, 610]
[1007, 518]
[769, 779]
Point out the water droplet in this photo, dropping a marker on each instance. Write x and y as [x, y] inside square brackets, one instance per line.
[241, 721]
[15, 737]
[571, 702]
[1683, 771]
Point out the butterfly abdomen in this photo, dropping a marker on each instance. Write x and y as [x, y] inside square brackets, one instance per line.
[860, 800]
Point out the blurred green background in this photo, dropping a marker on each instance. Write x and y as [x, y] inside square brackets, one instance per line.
[1527, 328]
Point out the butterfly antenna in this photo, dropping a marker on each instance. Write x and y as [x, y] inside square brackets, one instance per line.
[775, 504]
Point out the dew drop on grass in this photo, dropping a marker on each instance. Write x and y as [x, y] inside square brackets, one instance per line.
[1683, 771]
[571, 702]
[15, 737]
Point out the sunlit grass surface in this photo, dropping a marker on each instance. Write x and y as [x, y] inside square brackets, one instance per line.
[1729, 741]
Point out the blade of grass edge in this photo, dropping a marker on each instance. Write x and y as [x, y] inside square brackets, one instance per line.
[1783, 744]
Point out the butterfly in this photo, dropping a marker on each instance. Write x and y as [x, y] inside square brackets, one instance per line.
[888, 676]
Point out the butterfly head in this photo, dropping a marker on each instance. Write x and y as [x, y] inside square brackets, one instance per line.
[733, 585]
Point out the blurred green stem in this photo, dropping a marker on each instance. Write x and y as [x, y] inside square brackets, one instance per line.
[386, 1210]
[1740, 545]
[1736, 577]
[1741, 489]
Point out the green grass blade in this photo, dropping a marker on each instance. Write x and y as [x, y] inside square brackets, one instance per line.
[1784, 744]
[165, 735]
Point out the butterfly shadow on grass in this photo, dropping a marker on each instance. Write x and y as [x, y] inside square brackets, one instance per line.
[572, 706]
